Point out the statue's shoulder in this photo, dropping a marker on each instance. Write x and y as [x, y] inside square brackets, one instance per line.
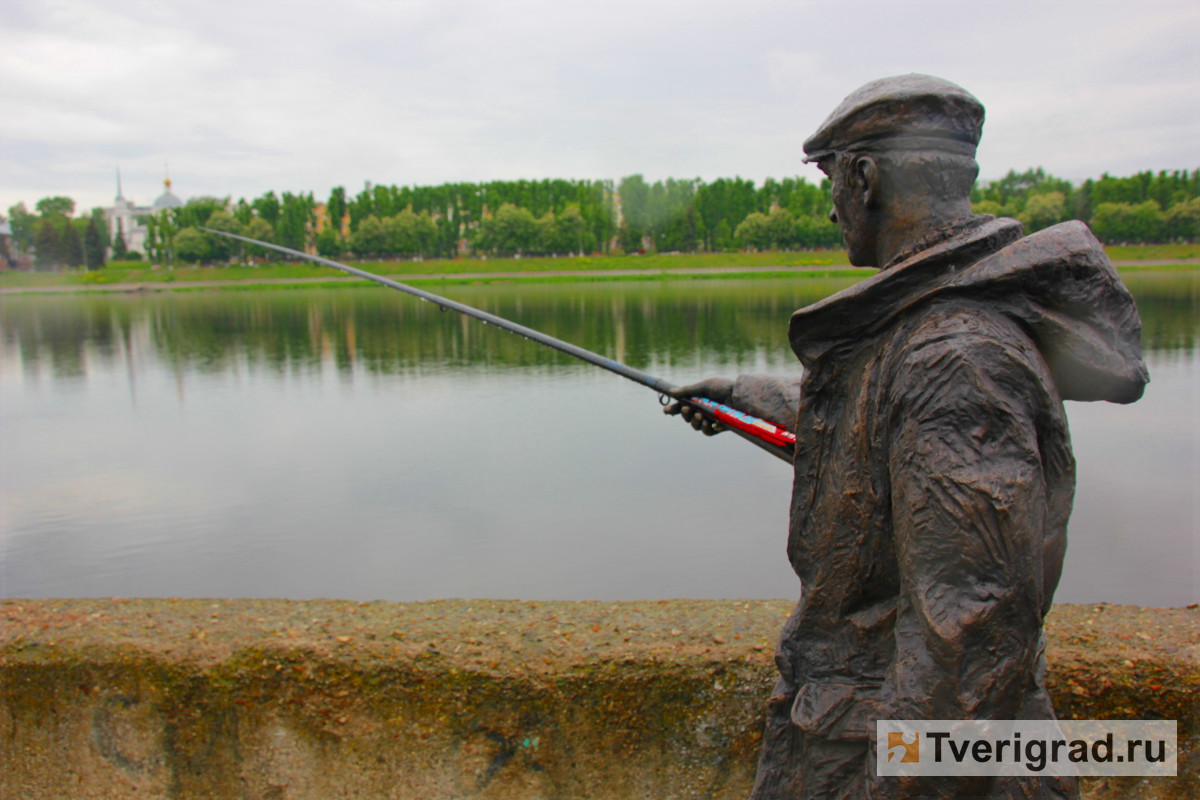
[1061, 287]
[1066, 243]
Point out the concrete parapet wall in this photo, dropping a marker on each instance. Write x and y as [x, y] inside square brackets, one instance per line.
[291, 700]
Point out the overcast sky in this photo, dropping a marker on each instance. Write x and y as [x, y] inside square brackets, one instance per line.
[237, 98]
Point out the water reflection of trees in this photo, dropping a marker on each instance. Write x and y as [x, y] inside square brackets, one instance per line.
[62, 332]
[652, 326]
[1169, 304]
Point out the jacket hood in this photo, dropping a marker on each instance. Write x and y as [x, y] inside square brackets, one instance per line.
[1057, 283]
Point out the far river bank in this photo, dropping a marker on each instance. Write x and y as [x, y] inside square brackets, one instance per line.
[300, 275]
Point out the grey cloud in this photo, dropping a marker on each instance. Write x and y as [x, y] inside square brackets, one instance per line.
[242, 98]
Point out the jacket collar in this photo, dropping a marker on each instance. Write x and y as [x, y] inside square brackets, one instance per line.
[860, 310]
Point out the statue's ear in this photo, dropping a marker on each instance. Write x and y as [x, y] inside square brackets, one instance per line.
[865, 174]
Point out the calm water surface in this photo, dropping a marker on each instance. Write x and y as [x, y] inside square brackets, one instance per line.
[356, 443]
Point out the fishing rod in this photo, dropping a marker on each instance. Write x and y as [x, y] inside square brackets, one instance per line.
[775, 439]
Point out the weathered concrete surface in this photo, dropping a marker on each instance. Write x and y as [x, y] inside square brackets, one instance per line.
[274, 699]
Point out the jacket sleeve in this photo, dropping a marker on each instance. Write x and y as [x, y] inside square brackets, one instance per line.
[769, 397]
[971, 520]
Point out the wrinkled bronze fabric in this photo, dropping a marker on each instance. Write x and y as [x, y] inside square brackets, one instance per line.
[933, 482]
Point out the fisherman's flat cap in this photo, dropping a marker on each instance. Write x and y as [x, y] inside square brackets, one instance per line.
[906, 112]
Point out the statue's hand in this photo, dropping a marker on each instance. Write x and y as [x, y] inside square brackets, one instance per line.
[717, 389]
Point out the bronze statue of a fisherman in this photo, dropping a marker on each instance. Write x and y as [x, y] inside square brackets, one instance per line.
[933, 466]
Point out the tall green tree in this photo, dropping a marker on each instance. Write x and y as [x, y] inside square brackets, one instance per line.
[565, 232]
[412, 234]
[191, 245]
[120, 250]
[1043, 210]
[72, 244]
[330, 243]
[258, 228]
[767, 231]
[267, 207]
[336, 208]
[1126, 223]
[370, 239]
[723, 204]
[295, 220]
[196, 212]
[55, 206]
[222, 248]
[1182, 223]
[48, 244]
[512, 231]
[24, 226]
[634, 196]
[94, 248]
[243, 212]
[817, 232]
[160, 236]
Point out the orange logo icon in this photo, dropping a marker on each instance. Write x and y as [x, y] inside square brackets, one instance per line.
[904, 748]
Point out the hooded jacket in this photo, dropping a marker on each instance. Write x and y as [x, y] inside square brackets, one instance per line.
[933, 483]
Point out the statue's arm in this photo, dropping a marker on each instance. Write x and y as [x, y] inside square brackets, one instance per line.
[770, 397]
[969, 515]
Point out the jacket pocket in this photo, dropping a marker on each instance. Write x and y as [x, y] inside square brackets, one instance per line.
[836, 709]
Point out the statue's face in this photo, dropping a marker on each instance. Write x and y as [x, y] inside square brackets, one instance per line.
[850, 213]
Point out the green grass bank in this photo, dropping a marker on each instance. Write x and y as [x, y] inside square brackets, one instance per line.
[293, 700]
[132, 275]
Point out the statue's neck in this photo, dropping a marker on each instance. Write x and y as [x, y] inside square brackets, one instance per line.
[909, 229]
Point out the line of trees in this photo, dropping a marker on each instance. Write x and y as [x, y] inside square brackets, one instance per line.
[513, 218]
[56, 238]
[507, 218]
[1140, 209]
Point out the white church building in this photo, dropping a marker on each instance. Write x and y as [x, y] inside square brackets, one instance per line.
[124, 215]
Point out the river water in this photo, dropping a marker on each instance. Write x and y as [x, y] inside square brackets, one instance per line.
[359, 444]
